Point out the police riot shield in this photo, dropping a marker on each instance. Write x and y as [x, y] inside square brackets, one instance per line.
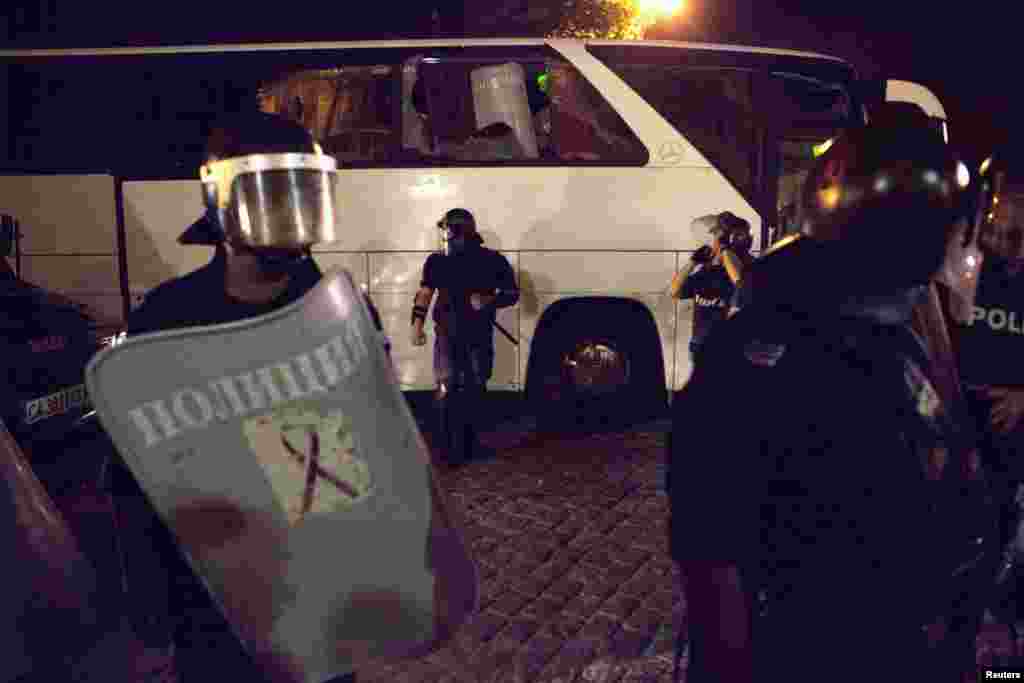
[280, 452]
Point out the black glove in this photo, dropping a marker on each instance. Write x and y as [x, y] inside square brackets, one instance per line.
[703, 255]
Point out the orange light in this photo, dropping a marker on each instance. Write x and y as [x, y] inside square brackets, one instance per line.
[829, 197]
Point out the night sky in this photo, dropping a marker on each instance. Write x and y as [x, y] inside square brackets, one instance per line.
[953, 52]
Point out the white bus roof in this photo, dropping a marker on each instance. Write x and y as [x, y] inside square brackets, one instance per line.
[463, 42]
[723, 47]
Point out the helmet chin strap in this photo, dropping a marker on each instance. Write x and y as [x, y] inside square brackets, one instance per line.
[274, 263]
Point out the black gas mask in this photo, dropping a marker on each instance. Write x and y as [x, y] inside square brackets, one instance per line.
[458, 232]
[280, 262]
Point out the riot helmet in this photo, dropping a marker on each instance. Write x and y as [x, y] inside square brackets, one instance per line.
[733, 232]
[1001, 208]
[267, 188]
[458, 231]
[885, 202]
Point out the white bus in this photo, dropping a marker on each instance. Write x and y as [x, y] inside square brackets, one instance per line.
[618, 147]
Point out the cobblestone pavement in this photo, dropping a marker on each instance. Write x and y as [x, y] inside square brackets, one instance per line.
[577, 585]
[570, 536]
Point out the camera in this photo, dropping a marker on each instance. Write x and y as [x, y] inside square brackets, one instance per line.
[734, 233]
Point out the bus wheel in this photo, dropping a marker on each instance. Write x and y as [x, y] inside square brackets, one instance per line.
[595, 365]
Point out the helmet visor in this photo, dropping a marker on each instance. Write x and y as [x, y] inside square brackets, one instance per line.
[274, 200]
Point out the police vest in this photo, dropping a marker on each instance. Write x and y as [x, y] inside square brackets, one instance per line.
[991, 345]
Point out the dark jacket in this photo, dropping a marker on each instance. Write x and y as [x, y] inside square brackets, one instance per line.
[798, 454]
[198, 298]
[45, 344]
[478, 270]
[712, 292]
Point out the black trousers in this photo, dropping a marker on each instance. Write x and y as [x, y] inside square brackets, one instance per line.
[463, 370]
[1003, 456]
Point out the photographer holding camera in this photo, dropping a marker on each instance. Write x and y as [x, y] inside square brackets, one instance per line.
[713, 273]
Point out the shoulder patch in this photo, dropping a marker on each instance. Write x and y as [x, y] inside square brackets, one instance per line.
[926, 397]
[763, 354]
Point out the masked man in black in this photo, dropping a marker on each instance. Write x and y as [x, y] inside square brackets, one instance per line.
[811, 529]
[472, 282]
[713, 274]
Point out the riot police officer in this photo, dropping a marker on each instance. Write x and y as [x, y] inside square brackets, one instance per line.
[989, 335]
[268, 196]
[822, 538]
[472, 283]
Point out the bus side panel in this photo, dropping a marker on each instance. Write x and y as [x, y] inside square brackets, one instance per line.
[545, 208]
[155, 215]
[69, 237]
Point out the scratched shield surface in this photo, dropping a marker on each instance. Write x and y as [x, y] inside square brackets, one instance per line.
[281, 453]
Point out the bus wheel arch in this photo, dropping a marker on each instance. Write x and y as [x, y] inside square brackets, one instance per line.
[595, 362]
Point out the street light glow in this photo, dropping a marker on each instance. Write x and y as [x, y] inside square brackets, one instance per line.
[650, 12]
[662, 8]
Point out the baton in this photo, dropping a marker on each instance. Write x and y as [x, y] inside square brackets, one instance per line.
[508, 335]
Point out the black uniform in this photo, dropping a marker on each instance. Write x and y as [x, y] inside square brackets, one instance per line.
[160, 582]
[455, 277]
[199, 298]
[46, 342]
[990, 354]
[991, 347]
[464, 337]
[712, 291]
[796, 456]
